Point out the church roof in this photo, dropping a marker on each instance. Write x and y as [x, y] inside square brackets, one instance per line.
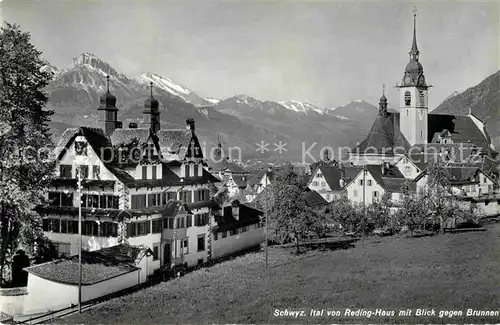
[384, 136]
[385, 133]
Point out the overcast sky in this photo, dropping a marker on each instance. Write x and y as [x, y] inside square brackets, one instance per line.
[326, 53]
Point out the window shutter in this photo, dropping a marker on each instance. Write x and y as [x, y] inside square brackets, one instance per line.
[189, 221]
[129, 229]
[148, 227]
[150, 200]
[154, 172]
[102, 202]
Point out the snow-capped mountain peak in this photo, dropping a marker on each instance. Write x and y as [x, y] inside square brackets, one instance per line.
[301, 107]
[172, 87]
[93, 63]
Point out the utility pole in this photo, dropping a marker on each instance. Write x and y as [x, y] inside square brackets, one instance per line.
[364, 202]
[78, 168]
[265, 216]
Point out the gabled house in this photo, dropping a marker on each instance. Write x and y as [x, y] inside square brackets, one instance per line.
[139, 185]
[373, 181]
[329, 180]
[411, 165]
[465, 182]
[471, 186]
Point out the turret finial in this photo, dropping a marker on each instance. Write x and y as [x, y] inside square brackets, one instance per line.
[107, 81]
[151, 86]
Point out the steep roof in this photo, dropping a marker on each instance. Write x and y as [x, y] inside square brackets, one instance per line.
[174, 143]
[390, 179]
[462, 129]
[137, 136]
[97, 266]
[247, 216]
[314, 199]
[385, 132]
[333, 174]
[241, 181]
[381, 135]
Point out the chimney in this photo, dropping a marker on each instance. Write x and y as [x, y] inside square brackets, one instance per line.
[190, 124]
[341, 180]
[385, 168]
[325, 156]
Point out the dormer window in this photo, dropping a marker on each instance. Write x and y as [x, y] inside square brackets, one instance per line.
[407, 98]
[80, 148]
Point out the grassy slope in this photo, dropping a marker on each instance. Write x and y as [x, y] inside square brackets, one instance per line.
[451, 271]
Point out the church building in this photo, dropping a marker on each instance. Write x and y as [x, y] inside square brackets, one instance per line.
[413, 131]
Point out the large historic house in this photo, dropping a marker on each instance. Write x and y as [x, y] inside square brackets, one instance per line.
[142, 186]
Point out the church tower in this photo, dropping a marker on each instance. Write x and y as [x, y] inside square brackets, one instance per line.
[107, 111]
[151, 108]
[413, 93]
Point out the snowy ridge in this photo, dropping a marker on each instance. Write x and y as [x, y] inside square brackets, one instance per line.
[301, 107]
[173, 88]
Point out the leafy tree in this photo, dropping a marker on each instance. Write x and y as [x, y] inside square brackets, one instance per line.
[380, 211]
[285, 206]
[442, 201]
[341, 211]
[414, 210]
[25, 143]
[321, 221]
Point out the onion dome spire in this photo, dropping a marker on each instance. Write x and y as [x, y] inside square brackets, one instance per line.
[414, 52]
[414, 72]
[151, 103]
[107, 100]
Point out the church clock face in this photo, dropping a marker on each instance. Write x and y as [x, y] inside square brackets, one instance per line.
[407, 79]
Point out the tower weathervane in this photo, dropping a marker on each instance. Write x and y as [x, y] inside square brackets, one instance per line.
[151, 86]
[383, 89]
[107, 81]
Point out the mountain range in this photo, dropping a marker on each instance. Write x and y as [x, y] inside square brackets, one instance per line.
[483, 100]
[238, 121]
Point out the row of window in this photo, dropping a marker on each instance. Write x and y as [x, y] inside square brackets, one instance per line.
[154, 172]
[316, 183]
[421, 94]
[142, 228]
[102, 201]
[66, 171]
[140, 201]
[368, 182]
[89, 228]
[375, 194]
[234, 232]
